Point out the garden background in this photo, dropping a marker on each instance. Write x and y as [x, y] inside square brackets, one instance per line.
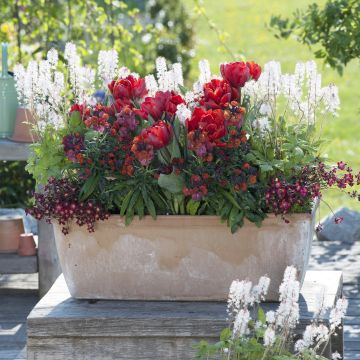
[245, 23]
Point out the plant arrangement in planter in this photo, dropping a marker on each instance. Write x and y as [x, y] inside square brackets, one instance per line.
[243, 147]
[254, 334]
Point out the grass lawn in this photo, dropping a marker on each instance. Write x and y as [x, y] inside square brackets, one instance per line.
[245, 21]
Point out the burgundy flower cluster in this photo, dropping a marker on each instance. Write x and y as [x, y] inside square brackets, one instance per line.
[73, 145]
[197, 187]
[60, 200]
[284, 196]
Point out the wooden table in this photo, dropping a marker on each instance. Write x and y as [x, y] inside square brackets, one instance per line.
[46, 262]
[60, 327]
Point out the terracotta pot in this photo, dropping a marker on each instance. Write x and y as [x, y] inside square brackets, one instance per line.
[22, 131]
[180, 257]
[27, 246]
[10, 229]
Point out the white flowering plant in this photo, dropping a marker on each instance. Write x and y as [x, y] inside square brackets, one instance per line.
[255, 335]
[238, 146]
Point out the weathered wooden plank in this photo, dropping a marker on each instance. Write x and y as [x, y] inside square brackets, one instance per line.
[60, 326]
[11, 150]
[351, 355]
[15, 264]
[110, 348]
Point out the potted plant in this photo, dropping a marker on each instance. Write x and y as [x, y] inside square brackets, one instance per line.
[197, 186]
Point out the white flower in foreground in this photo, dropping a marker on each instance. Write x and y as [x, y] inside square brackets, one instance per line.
[205, 72]
[260, 290]
[320, 306]
[168, 80]
[183, 113]
[161, 68]
[262, 124]
[20, 81]
[338, 313]
[270, 317]
[151, 85]
[198, 89]
[178, 74]
[269, 336]
[241, 323]
[52, 57]
[107, 65]
[336, 356]
[287, 315]
[313, 335]
[265, 109]
[330, 98]
[239, 295]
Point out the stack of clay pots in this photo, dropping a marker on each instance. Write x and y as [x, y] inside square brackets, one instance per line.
[13, 237]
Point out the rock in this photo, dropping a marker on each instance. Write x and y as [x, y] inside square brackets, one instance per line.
[348, 231]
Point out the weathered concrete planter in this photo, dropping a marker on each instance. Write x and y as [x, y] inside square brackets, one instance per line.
[180, 257]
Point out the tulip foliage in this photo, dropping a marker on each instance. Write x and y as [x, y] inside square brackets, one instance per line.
[153, 147]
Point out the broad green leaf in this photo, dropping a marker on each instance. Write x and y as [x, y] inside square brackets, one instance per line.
[172, 182]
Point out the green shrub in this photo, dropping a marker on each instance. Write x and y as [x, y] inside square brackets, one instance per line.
[16, 184]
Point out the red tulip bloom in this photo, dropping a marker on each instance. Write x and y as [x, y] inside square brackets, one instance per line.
[210, 121]
[152, 138]
[158, 135]
[255, 70]
[217, 93]
[127, 89]
[236, 73]
[162, 103]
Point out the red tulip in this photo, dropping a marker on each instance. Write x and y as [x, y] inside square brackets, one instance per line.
[162, 103]
[127, 89]
[217, 93]
[211, 122]
[255, 70]
[236, 73]
[158, 135]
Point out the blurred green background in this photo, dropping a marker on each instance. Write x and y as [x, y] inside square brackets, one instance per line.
[246, 23]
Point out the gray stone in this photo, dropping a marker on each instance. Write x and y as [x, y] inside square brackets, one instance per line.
[348, 231]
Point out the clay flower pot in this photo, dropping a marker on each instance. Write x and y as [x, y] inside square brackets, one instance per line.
[22, 131]
[180, 257]
[10, 229]
[27, 246]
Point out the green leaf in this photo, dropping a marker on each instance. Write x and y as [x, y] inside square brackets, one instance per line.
[125, 202]
[192, 206]
[265, 167]
[139, 207]
[229, 197]
[225, 334]
[261, 315]
[129, 216]
[133, 200]
[75, 119]
[149, 203]
[172, 182]
[183, 89]
[89, 186]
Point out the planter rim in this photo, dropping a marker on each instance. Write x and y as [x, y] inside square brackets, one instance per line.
[179, 221]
